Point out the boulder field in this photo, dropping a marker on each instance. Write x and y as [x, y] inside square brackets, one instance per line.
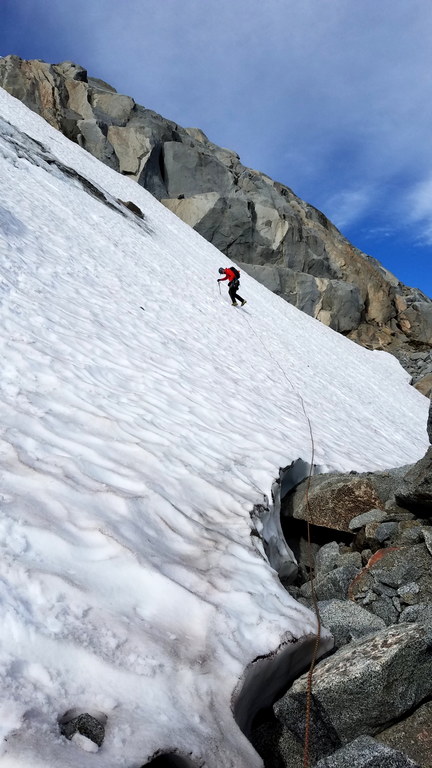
[372, 697]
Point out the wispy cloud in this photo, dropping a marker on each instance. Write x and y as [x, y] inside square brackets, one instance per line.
[419, 210]
[348, 206]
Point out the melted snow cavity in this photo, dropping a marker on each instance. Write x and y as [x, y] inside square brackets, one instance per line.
[142, 420]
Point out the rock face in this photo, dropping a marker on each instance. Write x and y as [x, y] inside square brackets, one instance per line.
[286, 244]
[347, 621]
[374, 587]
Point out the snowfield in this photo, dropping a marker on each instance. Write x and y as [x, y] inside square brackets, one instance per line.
[142, 418]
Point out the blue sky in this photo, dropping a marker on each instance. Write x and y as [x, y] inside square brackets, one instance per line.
[331, 97]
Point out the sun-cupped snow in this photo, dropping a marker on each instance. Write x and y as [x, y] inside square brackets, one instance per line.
[142, 418]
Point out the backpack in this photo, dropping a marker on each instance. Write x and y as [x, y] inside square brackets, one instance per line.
[236, 273]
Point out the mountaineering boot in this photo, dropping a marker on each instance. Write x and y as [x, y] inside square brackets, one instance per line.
[234, 304]
[243, 302]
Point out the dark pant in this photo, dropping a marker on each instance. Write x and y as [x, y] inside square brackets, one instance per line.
[232, 290]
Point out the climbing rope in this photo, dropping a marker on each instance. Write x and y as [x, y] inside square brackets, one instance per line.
[306, 745]
[308, 706]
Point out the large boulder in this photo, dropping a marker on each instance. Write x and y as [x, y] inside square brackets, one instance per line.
[349, 501]
[366, 752]
[424, 385]
[300, 289]
[415, 493]
[335, 584]
[111, 108]
[333, 500]
[347, 621]
[363, 687]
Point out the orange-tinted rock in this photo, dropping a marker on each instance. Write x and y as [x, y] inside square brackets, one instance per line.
[334, 501]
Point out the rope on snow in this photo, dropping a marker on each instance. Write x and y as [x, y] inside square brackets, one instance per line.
[306, 745]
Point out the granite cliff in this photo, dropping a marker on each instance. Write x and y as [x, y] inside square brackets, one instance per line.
[279, 239]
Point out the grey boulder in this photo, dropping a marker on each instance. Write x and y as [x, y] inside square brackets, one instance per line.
[365, 752]
[330, 556]
[364, 686]
[335, 583]
[347, 621]
[415, 493]
[372, 516]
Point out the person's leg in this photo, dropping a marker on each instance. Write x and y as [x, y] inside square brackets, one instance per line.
[232, 292]
[238, 297]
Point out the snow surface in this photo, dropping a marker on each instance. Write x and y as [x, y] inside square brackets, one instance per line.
[142, 418]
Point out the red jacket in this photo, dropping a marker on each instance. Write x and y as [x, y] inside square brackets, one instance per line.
[229, 275]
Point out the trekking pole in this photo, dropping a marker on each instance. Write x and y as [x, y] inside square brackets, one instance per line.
[219, 288]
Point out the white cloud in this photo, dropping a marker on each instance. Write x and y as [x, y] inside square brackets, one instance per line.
[419, 210]
[348, 206]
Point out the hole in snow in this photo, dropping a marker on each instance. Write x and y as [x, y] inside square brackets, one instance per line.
[267, 678]
[170, 760]
[267, 519]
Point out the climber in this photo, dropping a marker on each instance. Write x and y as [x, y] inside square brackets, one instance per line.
[233, 276]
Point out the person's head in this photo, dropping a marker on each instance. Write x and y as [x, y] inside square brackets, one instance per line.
[221, 270]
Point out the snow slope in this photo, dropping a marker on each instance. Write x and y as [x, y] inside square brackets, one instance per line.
[142, 418]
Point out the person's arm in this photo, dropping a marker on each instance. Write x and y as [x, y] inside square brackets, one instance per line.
[221, 279]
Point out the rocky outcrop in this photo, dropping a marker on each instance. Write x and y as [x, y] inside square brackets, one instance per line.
[288, 245]
[372, 577]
